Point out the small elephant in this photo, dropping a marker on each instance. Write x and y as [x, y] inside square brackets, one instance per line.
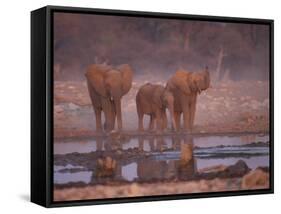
[185, 86]
[153, 100]
[106, 86]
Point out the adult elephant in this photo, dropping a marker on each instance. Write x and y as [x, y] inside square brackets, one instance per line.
[153, 99]
[106, 87]
[185, 86]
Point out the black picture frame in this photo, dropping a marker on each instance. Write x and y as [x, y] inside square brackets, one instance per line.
[42, 104]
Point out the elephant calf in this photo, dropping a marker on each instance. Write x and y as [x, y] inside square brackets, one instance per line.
[153, 100]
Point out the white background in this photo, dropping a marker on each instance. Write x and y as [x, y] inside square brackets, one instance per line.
[15, 105]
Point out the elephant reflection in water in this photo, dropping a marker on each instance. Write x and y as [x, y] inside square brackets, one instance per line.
[184, 168]
[147, 169]
[107, 168]
[99, 143]
[156, 143]
[176, 142]
[141, 140]
[105, 144]
[111, 143]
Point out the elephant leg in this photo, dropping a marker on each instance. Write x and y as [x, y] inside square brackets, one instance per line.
[177, 116]
[140, 115]
[192, 112]
[109, 114]
[159, 121]
[164, 120]
[98, 119]
[151, 122]
[117, 103]
[97, 105]
[186, 119]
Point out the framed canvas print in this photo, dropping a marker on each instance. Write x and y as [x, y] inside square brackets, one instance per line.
[137, 106]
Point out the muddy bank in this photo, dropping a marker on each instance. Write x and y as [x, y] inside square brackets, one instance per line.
[241, 106]
[255, 179]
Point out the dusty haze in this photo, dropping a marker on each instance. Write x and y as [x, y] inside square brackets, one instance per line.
[152, 45]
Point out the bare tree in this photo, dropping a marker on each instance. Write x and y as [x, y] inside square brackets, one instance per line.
[221, 55]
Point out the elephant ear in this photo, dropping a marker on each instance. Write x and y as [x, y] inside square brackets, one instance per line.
[127, 77]
[199, 81]
[193, 83]
[95, 75]
[182, 80]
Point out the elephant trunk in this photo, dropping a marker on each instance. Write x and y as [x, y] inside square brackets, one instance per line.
[117, 103]
[171, 112]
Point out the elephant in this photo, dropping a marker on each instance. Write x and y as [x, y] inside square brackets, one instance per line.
[153, 99]
[106, 86]
[186, 166]
[185, 86]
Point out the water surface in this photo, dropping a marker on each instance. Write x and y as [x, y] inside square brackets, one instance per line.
[155, 158]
